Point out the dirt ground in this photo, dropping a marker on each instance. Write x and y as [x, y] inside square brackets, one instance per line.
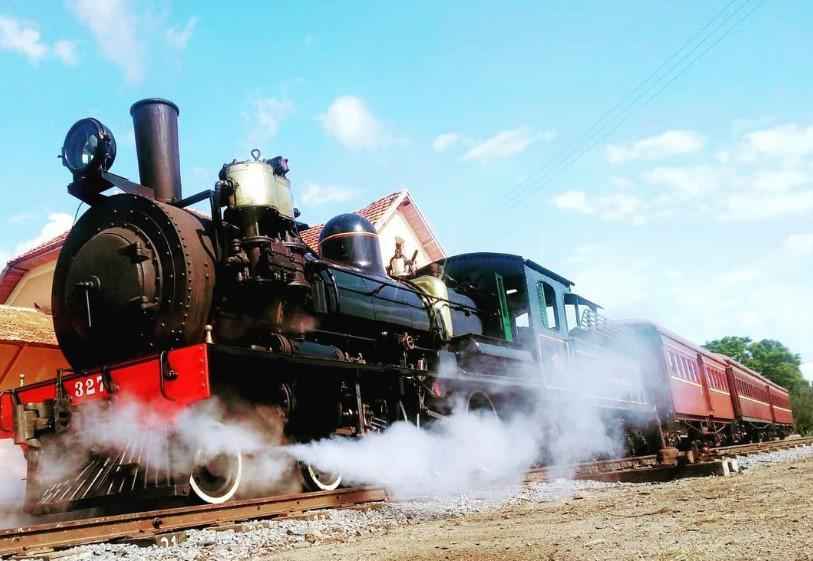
[763, 514]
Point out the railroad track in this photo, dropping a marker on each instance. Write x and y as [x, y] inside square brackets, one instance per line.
[757, 447]
[166, 526]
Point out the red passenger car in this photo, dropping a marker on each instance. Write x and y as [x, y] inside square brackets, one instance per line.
[762, 406]
[780, 403]
[689, 386]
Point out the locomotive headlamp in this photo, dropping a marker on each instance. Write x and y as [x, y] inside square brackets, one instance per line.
[89, 148]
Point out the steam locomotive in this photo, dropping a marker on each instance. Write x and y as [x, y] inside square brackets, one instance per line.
[157, 303]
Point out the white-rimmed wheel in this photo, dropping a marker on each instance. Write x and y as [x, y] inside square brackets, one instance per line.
[216, 480]
[318, 480]
[479, 402]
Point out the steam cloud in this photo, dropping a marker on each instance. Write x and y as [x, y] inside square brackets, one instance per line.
[12, 483]
[567, 422]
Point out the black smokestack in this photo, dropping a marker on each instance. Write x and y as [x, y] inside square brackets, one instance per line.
[155, 122]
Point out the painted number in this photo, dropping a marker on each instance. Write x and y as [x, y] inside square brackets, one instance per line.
[88, 386]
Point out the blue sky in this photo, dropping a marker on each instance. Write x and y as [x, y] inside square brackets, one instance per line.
[692, 207]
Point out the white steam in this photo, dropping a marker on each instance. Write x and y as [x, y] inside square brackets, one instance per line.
[132, 432]
[563, 419]
[12, 483]
[457, 454]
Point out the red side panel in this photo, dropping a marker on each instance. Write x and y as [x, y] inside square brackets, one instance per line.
[143, 382]
[186, 380]
[751, 394]
[719, 392]
[780, 402]
[6, 416]
[688, 396]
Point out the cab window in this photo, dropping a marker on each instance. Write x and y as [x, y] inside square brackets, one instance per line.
[547, 303]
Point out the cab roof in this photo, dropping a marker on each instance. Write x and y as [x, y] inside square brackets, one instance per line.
[510, 258]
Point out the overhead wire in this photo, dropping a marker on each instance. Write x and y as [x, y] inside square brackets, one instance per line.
[676, 65]
[634, 94]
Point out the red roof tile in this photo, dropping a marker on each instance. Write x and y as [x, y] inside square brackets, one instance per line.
[311, 237]
[377, 209]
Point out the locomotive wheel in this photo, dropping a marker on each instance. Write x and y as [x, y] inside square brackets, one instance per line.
[318, 480]
[216, 481]
[480, 403]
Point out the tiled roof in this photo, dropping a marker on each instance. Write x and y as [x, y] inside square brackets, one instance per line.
[373, 212]
[311, 236]
[378, 208]
[25, 325]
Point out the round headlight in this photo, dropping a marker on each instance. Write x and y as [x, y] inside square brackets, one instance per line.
[89, 148]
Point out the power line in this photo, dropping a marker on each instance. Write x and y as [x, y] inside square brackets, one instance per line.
[635, 93]
[676, 65]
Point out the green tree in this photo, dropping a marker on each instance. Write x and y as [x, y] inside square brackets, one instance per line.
[734, 347]
[777, 363]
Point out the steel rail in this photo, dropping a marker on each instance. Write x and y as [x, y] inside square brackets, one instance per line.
[144, 524]
[755, 447]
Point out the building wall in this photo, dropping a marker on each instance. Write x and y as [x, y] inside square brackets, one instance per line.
[35, 362]
[34, 287]
[398, 227]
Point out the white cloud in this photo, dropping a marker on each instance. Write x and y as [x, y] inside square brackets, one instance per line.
[751, 205]
[58, 223]
[667, 293]
[799, 244]
[789, 141]
[669, 143]
[178, 37]
[737, 187]
[780, 181]
[317, 194]
[268, 114]
[612, 207]
[349, 121]
[23, 38]
[621, 207]
[505, 144]
[688, 181]
[445, 141]
[113, 25]
[67, 52]
[746, 185]
[572, 200]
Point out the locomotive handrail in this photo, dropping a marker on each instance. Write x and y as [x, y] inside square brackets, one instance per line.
[165, 372]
